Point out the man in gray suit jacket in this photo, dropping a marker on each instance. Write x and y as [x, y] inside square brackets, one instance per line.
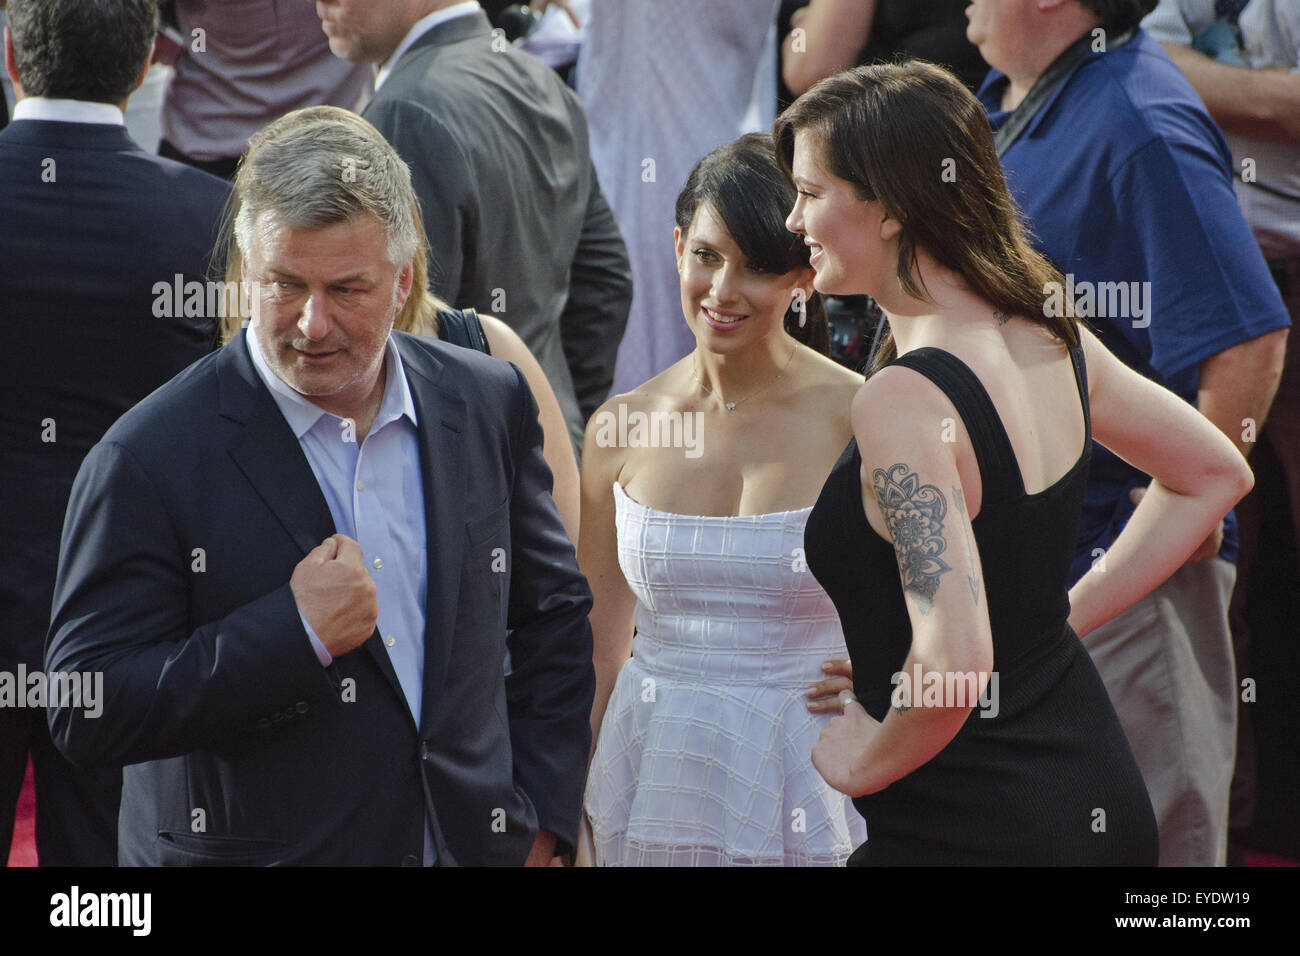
[499, 157]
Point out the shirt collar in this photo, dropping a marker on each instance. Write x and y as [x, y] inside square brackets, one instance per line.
[995, 84]
[419, 29]
[68, 111]
[302, 414]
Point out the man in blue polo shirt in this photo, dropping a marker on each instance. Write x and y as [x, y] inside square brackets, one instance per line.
[1126, 184]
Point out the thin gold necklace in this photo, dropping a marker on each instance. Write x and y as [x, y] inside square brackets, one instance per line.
[731, 406]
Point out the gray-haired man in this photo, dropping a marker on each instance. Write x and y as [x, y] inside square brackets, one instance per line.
[301, 604]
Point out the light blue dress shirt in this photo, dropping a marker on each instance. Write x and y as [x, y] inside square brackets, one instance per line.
[376, 497]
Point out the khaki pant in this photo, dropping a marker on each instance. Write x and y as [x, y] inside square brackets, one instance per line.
[1167, 663]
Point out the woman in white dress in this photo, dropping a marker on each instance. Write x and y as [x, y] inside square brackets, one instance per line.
[695, 490]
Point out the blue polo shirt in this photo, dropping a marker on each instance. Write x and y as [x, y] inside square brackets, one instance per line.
[1124, 178]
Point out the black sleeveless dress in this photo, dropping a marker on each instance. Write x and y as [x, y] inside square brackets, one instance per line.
[1048, 780]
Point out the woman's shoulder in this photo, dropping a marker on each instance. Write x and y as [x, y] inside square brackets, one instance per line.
[894, 399]
[826, 369]
[826, 383]
[663, 392]
[605, 446]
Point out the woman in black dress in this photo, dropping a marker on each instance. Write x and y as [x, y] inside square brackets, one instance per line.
[978, 730]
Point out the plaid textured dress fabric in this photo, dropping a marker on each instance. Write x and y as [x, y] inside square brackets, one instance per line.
[704, 757]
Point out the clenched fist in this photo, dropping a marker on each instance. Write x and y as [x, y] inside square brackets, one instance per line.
[334, 592]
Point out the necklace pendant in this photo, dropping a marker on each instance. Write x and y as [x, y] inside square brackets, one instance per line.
[731, 406]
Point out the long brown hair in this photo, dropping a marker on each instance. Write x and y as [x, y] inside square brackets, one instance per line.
[911, 136]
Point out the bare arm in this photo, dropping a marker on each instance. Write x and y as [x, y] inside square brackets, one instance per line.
[1239, 383]
[556, 447]
[1198, 476]
[834, 33]
[1264, 104]
[1236, 391]
[614, 603]
[913, 496]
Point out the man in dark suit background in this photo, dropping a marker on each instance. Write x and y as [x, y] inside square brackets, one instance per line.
[337, 614]
[90, 227]
[499, 155]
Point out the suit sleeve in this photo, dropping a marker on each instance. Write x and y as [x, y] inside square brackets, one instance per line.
[551, 684]
[443, 181]
[120, 614]
[600, 295]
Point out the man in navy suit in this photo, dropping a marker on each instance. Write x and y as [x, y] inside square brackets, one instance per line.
[336, 612]
[91, 227]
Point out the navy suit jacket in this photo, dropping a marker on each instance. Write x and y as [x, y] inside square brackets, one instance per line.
[241, 748]
[89, 224]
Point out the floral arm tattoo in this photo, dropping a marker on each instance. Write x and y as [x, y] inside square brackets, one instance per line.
[914, 514]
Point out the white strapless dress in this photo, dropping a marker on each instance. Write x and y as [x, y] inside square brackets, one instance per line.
[704, 756]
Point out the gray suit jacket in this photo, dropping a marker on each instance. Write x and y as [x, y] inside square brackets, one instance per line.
[517, 224]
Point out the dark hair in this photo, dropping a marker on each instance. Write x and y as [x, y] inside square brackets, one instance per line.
[82, 49]
[1119, 15]
[911, 136]
[745, 185]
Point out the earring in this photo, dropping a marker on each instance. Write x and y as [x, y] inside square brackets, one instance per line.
[800, 306]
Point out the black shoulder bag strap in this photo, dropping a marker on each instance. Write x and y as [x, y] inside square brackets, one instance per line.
[1048, 82]
[474, 328]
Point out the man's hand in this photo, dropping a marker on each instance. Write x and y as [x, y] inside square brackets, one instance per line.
[166, 50]
[1207, 549]
[543, 849]
[334, 592]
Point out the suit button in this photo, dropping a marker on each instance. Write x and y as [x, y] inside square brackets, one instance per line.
[301, 707]
[410, 860]
[264, 722]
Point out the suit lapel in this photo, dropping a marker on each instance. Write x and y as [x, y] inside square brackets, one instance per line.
[442, 453]
[269, 455]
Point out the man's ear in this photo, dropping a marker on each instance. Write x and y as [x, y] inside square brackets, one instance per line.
[405, 280]
[148, 64]
[11, 65]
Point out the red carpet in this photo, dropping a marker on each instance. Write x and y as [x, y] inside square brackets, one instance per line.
[23, 852]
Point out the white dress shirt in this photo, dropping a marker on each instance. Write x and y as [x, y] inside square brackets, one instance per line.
[375, 494]
[68, 111]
